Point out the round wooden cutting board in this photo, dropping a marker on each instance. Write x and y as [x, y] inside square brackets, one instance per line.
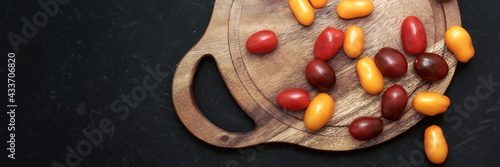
[255, 80]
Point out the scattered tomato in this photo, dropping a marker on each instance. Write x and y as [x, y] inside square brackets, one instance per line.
[413, 35]
[320, 75]
[366, 128]
[262, 42]
[328, 43]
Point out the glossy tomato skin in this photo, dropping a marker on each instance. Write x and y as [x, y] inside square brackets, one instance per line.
[293, 99]
[391, 62]
[431, 67]
[320, 75]
[413, 35]
[262, 42]
[394, 102]
[366, 128]
[328, 43]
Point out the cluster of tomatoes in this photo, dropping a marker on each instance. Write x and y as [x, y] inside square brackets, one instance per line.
[387, 62]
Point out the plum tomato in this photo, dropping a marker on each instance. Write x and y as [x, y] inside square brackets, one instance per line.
[413, 35]
[391, 62]
[394, 102]
[320, 75]
[366, 128]
[293, 99]
[431, 67]
[262, 42]
[328, 43]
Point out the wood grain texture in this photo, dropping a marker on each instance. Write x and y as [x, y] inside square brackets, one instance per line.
[255, 80]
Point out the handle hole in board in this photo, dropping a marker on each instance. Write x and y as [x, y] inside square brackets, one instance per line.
[215, 101]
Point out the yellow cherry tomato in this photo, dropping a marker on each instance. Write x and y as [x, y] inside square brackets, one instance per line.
[459, 42]
[430, 103]
[318, 3]
[354, 41]
[435, 145]
[349, 9]
[319, 111]
[370, 77]
[303, 11]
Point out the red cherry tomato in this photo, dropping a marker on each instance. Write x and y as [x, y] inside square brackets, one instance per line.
[328, 43]
[365, 128]
[391, 62]
[394, 102]
[320, 75]
[262, 42]
[413, 35]
[431, 67]
[293, 99]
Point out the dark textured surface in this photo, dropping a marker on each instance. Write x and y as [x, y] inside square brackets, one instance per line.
[79, 70]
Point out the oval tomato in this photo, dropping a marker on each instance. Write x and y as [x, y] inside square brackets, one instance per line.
[394, 102]
[320, 75]
[365, 128]
[262, 42]
[391, 62]
[293, 99]
[413, 35]
[431, 67]
[328, 43]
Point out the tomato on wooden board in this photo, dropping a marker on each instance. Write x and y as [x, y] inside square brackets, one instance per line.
[318, 3]
[366, 128]
[293, 99]
[328, 43]
[262, 42]
[430, 103]
[413, 35]
[370, 77]
[394, 102]
[319, 111]
[320, 75]
[391, 62]
[431, 67]
[303, 11]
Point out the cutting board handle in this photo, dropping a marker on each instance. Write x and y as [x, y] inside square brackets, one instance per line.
[214, 44]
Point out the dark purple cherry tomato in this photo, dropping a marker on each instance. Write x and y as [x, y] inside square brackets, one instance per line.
[431, 67]
[394, 102]
[413, 35]
[293, 99]
[328, 43]
[391, 62]
[320, 75]
[365, 128]
[262, 42]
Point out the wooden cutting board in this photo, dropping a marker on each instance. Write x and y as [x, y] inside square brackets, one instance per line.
[255, 80]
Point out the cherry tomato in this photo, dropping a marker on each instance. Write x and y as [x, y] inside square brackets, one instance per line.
[348, 9]
[262, 42]
[459, 42]
[318, 3]
[293, 99]
[370, 77]
[431, 67]
[394, 102]
[413, 35]
[430, 103]
[320, 75]
[303, 11]
[354, 42]
[435, 146]
[391, 62]
[365, 128]
[328, 43]
[319, 111]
